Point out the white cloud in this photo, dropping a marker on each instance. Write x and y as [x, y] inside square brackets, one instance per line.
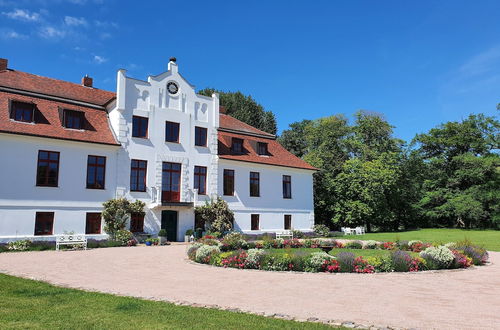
[75, 21]
[99, 59]
[106, 24]
[23, 15]
[11, 34]
[481, 63]
[50, 32]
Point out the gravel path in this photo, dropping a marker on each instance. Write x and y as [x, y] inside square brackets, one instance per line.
[457, 299]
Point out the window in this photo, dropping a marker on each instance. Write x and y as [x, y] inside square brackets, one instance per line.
[171, 182]
[22, 111]
[254, 184]
[262, 148]
[93, 223]
[255, 222]
[96, 172]
[200, 179]
[200, 136]
[237, 146]
[287, 186]
[47, 173]
[172, 132]
[138, 175]
[140, 127]
[73, 119]
[228, 182]
[44, 223]
[288, 222]
[137, 223]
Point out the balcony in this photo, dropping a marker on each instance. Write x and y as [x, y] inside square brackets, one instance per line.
[161, 198]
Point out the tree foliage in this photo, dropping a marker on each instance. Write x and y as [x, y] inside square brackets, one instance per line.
[216, 215]
[245, 108]
[117, 212]
[446, 177]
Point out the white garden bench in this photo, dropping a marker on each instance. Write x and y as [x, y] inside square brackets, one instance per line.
[284, 234]
[73, 239]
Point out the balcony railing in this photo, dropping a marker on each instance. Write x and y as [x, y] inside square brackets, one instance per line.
[159, 197]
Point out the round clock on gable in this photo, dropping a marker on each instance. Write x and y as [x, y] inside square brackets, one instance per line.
[172, 87]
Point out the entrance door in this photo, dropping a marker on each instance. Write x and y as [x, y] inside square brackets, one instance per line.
[169, 223]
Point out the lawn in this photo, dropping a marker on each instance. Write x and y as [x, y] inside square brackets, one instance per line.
[27, 304]
[490, 239]
[357, 252]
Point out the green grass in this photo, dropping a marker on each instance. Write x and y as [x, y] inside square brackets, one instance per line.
[357, 252]
[27, 304]
[489, 239]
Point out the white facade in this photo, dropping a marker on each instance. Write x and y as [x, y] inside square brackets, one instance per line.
[21, 198]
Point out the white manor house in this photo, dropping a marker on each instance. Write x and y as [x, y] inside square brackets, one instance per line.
[67, 148]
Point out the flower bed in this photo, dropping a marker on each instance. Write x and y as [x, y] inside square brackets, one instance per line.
[305, 255]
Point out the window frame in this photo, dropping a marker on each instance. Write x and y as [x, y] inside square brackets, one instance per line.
[96, 167]
[48, 161]
[200, 177]
[262, 145]
[287, 218]
[171, 195]
[134, 218]
[237, 141]
[170, 124]
[227, 173]
[254, 218]
[88, 217]
[196, 136]
[78, 113]
[254, 182]
[13, 111]
[140, 120]
[139, 169]
[38, 217]
[285, 183]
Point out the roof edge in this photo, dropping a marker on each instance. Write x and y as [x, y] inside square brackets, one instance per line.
[314, 169]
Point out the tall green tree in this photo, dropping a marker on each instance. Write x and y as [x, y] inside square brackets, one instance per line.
[245, 108]
[463, 183]
[294, 138]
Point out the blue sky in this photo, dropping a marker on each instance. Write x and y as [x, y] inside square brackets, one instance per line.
[419, 63]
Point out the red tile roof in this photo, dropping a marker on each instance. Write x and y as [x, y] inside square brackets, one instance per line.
[231, 123]
[48, 121]
[48, 86]
[278, 155]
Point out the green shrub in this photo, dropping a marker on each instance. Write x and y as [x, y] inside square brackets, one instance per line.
[162, 233]
[403, 245]
[354, 245]
[191, 252]
[21, 245]
[370, 245]
[216, 215]
[437, 257]
[189, 232]
[254, 258]
[321, 230]
[276, 262]
[123, 236]
[297, 233]
[233, 241]
[316, 260]
[346, 261]
[204, 252]
[381, 264]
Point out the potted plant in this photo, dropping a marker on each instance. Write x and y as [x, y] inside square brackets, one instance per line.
[162, 234]
[188, 235]
[149, 241]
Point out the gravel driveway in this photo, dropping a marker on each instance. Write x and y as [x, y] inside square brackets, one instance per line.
[456, 299]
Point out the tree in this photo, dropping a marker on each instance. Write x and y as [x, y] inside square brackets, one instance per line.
[294, 138]
[245, 108]
[117, 212]
[463, 182]
[216, 215]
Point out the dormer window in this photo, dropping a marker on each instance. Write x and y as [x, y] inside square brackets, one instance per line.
[237, 146]
[262, 148]
[22, 111]
[73, 119]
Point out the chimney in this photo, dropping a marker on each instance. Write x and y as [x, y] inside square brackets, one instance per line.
[3, 64]
[173, 59]
[222, 109]
[87, 81]
[172, 65]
